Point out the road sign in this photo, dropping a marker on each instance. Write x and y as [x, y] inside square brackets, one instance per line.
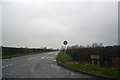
[65, 42]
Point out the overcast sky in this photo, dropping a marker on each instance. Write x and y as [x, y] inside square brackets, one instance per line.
[49, 23]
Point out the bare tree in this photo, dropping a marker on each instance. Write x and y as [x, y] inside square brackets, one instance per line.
[101, 44]
[95, 45]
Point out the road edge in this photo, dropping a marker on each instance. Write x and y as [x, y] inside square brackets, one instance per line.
[81, 71]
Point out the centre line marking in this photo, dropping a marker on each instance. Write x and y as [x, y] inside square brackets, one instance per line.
[6, 65]
[33, 58]
[42, 57]
[54, 60]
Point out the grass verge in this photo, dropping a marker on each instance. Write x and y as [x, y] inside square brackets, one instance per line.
[16, 55]
[64, 57]
[103, 71]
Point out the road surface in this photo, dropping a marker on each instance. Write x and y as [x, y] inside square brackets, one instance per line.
[37, 66]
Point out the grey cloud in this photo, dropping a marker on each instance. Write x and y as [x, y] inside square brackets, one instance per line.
[48, 24]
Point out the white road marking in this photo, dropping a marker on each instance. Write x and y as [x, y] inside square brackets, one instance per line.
[54, 60]
[9, 65]
[42, 57]
[33, 58]
[6, 65]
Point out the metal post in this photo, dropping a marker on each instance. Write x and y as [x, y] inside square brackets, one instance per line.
[65, 43]
[65, 50]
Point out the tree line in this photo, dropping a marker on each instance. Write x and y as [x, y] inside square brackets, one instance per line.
[14, 50]
[109, 55]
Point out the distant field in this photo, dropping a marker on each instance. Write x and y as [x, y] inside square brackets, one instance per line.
[16, 55]
[9, 52]
[105, 71]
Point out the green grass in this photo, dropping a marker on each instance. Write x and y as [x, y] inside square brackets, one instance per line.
[16, 55]
[64, 57]
[105, 71]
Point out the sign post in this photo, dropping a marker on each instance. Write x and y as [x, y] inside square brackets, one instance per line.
[65, 43]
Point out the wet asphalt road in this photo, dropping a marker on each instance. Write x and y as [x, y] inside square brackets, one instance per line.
[37, 66]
